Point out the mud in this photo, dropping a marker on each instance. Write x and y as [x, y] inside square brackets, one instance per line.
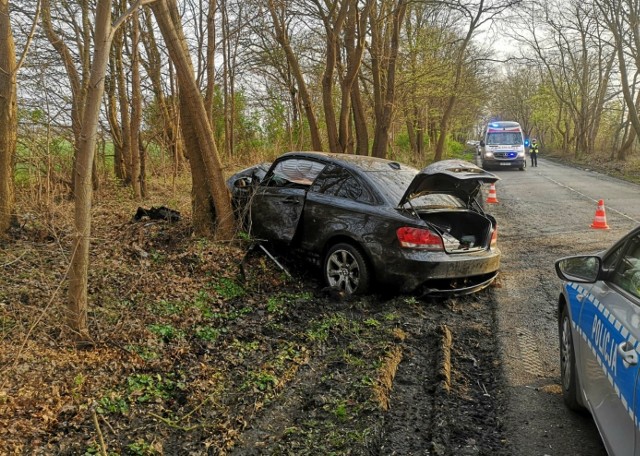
[445, 398]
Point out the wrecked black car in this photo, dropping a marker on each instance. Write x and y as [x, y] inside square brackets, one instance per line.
[370, 221]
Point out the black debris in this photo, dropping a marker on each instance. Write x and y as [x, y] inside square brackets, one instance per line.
[157, 213]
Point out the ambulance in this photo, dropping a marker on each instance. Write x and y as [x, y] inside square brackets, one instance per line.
[502, 146]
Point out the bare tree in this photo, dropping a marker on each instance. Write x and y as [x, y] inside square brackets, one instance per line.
[203, 153]
[385, 23]
[137, 151]
[78, 273]
[567, 40]
[474, 15]
[348, 15]
[168, 110]
[354, 44]
[78, 77]
[281, 33]
[8, 119]
[621, 19]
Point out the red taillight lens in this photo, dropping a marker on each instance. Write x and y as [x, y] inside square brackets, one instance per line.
[418, 238]
[494, 237]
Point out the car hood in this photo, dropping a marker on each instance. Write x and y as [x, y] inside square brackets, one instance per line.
[454, 177]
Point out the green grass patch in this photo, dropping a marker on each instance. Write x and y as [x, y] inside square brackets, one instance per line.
[166, 308]
[166, 332]
[112, 403]
[228, 289]
[208, 334]
[143, 388]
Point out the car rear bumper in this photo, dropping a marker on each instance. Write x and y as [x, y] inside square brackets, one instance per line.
[436, 273]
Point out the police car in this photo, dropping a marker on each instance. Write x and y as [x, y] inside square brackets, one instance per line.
[599, 328]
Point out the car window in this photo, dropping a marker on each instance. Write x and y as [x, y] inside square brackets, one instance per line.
[437, 201]
[504, 138]
[296, 171]
[612, 259]
[337, 181]
[627, 273]
[393, 183]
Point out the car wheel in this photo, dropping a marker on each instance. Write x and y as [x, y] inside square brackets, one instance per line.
[346, 269]
[568, 363]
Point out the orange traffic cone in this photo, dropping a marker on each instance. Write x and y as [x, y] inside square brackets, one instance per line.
[492, 198]
[600, 220]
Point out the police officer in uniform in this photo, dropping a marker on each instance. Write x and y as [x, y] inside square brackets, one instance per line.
[533, 152]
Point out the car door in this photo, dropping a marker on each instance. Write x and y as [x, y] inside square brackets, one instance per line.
[278, 203]
[338, 203]
[610, 328]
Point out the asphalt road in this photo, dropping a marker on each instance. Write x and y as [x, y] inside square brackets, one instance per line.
[545, 213]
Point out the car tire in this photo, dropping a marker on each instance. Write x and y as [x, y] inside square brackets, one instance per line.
[346, 269]
[568, 372]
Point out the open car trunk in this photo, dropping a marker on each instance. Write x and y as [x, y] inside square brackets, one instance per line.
[461, 230]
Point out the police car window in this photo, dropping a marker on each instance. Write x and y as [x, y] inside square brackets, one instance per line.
[339, 182]
[612, 259]
[627, 273]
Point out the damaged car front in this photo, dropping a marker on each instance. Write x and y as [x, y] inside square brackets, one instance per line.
[366, 220]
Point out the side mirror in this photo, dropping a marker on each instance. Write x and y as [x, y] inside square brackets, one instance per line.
[482, 143]
[581, 269]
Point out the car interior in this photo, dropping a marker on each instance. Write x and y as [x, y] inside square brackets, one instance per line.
[627, 274]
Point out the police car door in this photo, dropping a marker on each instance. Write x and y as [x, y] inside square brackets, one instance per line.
[610, 326]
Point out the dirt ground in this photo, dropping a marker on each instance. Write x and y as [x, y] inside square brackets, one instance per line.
[201, 348]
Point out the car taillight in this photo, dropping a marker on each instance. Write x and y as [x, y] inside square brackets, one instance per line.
[494, 237]
[418, 238]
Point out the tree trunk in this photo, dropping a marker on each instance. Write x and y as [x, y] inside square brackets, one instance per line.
[77, 80]
[169, 112]
[355, 34]
[625, 149]
[137, 177]
[112, 115]
[333, 21]
[359, 121]
[125, 118]
[206, 154]
[283, 39]
[8, 119]
[210, 63]
[384, 112]
[78, 274]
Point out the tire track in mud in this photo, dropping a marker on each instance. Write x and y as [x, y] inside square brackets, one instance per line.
[445, 398]
[427, 417]
[407, 427]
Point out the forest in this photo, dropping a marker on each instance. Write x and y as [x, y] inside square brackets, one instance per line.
[111, 105]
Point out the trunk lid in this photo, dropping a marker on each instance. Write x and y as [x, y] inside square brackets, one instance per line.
[454, 177]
